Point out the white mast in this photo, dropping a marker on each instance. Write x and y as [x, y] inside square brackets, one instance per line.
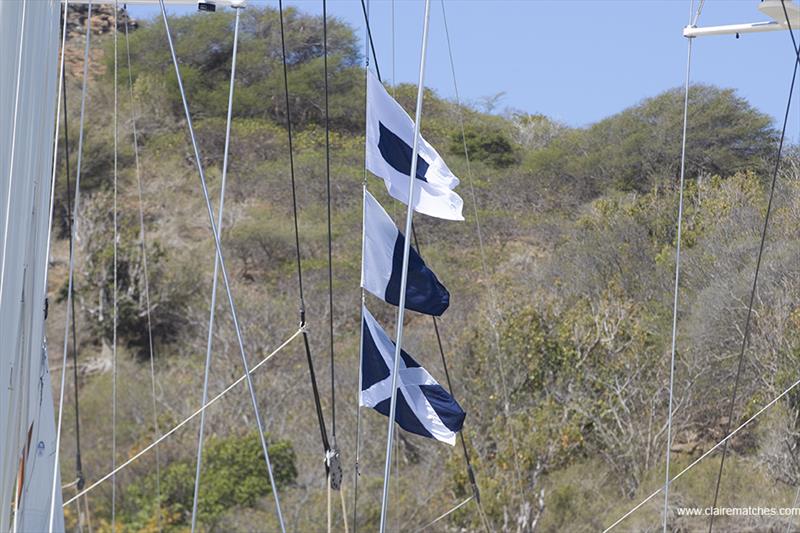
[28, 68]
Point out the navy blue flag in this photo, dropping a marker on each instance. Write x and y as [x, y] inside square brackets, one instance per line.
[382, 265]
[399, 154]
[389, 149]
[423, 406]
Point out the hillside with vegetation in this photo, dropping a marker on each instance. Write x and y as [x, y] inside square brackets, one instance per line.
[558, 349]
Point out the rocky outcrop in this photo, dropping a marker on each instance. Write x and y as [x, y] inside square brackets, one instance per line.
[102, 20]
[102, 23]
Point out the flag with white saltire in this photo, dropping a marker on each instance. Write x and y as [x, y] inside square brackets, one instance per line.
[423, 406]
[382, 265]
[390, 141]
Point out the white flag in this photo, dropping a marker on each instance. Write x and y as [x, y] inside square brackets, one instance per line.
[390, 141]
[423, 406]
[382, 265]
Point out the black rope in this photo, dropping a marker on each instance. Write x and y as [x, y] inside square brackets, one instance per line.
[68, 218]
[758, 269]
[467, 460]
[369, 37]
[470, 472]
[312, 374]
[330, 238]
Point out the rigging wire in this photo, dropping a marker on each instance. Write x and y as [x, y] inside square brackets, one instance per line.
[489, 283]
[179, 425]
[705, 454]
[209, 341]
[71, 275]
[116, 309]
[218, 246]
[330, 234]
[68, 219]
[445, 515]
[746, 332]
[332, 458]
[678, 239]
[476, 495]
[332, 462]
[356, 466]
[369, 38]
[312, 374]
[699, 11]
[399, 207]
[145, 271]
[404, 279]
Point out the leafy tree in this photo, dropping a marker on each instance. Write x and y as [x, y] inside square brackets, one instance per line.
[204, 45]
[485, 143]
[169, 291]
[233, 476]
[640, 147]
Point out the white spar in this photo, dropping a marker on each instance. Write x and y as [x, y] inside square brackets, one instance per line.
[770, 8]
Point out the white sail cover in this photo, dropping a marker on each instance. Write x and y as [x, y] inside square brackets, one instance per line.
[26, 406]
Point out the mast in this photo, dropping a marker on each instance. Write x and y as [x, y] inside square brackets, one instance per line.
[29, 37]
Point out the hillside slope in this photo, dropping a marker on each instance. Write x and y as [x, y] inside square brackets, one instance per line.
[559, 352]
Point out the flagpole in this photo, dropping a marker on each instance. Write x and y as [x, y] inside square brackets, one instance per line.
[404, 278]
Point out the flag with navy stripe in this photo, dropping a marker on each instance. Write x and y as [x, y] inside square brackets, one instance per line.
[423, 406]
[390, 138]
[382, 265]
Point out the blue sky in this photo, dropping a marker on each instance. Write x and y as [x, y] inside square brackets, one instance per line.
[576, 61]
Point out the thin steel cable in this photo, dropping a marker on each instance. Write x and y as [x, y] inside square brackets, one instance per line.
[210, 339]
[394, 74]
[356, 466]
[678, 239]
[445, 515]
[404, 277]
[145, 272]
[397, 526]
[212, 401]
[485, 268]
[13, 147]
[68, 220]
[309, 360]
[218, 246]
[71, 275]
[706, 454]
[330, 232]
[697, 14]
[116, 309]
[746, 332]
